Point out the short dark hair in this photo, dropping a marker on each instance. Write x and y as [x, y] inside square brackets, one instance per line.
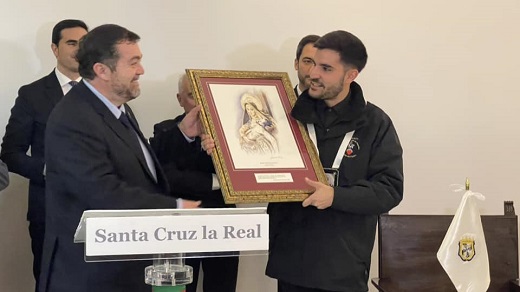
[64, 24]
[99, 46]
[308, 39]
[351, 50]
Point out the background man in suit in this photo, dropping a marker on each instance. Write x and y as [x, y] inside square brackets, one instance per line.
[97, 158]
[26, 126]
[304, 62]
[191, 175]
[4, 176]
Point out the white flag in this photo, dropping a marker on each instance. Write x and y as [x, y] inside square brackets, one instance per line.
[463, 252]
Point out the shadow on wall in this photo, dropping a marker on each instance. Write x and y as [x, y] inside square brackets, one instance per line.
[42, 49]
[41, 61]
[259, 57]
[15, 247]
[157, 102]
[12, 56]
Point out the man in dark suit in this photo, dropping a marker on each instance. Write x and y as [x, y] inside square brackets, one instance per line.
[304, 62]
[97, 158]
[191, 174]
[26, 127]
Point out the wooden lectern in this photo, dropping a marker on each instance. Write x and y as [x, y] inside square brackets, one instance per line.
[408, 246]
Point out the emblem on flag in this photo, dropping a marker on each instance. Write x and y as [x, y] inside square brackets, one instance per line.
[467, 248]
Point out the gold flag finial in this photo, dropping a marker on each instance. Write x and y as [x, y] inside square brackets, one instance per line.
[467, 184]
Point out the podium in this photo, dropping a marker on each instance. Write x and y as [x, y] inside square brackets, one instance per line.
[168, 236]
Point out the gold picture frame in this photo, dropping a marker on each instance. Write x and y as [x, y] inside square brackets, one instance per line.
[261, 153]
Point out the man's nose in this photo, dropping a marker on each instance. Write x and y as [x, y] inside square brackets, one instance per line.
[140, 70]
[313, 73]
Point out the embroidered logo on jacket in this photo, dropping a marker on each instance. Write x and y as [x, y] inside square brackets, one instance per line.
[352, 148]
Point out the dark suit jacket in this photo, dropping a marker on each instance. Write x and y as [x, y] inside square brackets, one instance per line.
[187, 167]
[26, 129]
[92, 164]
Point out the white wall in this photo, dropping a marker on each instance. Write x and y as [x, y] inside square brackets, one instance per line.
[445, 71]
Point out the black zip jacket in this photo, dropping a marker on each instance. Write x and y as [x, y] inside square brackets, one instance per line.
[330, 249]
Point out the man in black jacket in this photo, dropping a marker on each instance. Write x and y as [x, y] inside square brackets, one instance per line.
[191, 175]
[26, 127]
[325, 243]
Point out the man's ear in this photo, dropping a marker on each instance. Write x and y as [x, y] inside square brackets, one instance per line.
[179, 99]
[102, 71]
[351, 75]
[54, 49]
[296, 64]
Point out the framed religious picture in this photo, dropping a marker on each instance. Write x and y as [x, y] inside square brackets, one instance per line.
[261, 153]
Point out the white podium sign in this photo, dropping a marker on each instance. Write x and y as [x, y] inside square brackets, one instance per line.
[164, 231]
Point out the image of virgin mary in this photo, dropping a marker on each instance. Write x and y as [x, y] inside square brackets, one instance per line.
[258, 130]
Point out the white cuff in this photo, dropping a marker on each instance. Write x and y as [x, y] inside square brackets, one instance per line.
[180, 203]
[215, 185]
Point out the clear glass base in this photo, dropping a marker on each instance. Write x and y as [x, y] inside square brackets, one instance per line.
[168, 275]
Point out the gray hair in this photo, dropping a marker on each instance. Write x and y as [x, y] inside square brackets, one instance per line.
[181, 80]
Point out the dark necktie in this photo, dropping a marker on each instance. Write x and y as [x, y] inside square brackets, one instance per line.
[135, 136]
[73, 82]
[125, 120]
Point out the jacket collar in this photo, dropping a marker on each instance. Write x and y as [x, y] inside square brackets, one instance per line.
[117, 127]
[351, 107]
[53, 88]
